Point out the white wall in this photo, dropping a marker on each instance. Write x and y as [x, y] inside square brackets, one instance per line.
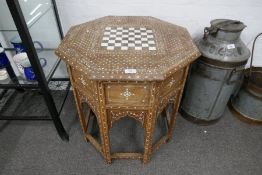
[192, 14]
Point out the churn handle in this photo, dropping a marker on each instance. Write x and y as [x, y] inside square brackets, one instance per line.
[252, 54]
[214, 28]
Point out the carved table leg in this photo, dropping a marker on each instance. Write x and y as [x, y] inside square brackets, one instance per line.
[78, 104]
[80, 112]
[149, 128]
[150, 123]
[176, 106]
[104, 125]
[173, 118]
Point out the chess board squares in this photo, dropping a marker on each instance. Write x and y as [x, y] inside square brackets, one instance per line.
[122, 38]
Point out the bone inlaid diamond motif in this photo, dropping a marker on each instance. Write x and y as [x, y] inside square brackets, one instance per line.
[128, 38]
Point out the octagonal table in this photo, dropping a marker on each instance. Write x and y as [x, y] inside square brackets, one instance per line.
[127, 66]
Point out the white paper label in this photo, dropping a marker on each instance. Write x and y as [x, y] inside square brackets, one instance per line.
[130, 71]
[231, 46]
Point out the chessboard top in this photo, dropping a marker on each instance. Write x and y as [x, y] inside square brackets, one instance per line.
[127, 48]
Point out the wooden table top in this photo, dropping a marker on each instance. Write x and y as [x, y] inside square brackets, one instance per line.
[127, 48]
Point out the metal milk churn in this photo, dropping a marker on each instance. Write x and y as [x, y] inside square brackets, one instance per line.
[217, 74]
[247, 104]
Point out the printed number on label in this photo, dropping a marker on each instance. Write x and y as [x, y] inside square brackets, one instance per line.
[231, 46]
[130, 71]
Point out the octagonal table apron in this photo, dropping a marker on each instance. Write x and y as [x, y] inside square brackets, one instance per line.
[127, 66]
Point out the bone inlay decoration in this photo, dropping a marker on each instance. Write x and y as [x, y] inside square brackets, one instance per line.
[172, 82]
[127, 93]
[82, 80]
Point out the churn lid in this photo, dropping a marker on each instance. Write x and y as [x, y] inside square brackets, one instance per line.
[227, 25]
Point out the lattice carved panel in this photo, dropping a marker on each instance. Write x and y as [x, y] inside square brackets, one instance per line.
[115, 115]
